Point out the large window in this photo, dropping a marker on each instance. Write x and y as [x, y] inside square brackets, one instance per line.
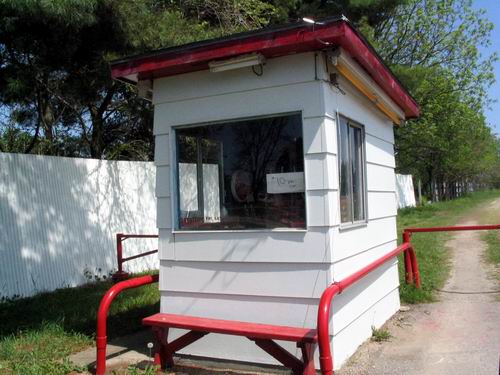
[245, 174]
[352, 172]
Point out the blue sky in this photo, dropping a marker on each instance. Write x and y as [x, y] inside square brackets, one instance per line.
[492, 8]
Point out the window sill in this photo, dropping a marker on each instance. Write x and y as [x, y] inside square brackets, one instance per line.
[277, 230]
[351, 226]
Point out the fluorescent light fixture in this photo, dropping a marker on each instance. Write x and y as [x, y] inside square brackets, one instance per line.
[237, 62]
[311, 21]
[355, 74]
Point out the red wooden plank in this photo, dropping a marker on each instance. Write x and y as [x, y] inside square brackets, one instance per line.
[231, 327]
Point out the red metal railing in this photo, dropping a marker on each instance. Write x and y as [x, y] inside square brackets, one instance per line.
[323, 329]
[102, 315]
[452, 229]
[120, 237]
[412, 275]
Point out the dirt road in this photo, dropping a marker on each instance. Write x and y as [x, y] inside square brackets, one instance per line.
[458, 335]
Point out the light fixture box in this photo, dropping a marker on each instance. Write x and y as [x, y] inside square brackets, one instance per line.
[239, 62]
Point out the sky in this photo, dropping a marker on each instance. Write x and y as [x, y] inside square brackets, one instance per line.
[492, 8]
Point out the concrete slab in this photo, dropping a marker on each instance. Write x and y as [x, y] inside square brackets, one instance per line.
[121, 352]
[132, 350]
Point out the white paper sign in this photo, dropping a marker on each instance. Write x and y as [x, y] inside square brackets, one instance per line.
[280, 183]
[211, 193]
[188, 187]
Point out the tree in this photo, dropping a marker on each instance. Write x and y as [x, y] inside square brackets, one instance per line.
[437, 33]
[450, 144]
[54, 75]
[433, 47]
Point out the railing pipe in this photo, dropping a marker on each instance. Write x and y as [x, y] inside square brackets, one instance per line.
[139, 255]
[407, 233]
[453, 228]
[120, 237]
[102, 315]
[325, 353]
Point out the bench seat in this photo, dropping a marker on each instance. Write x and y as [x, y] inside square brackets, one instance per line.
[262, 334]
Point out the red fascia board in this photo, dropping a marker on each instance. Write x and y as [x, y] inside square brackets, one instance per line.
[367, 58]
[270, 45]
[273, 44]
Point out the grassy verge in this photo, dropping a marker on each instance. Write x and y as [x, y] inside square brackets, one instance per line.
[493, 252]
[38, 333]
[492, 239]
[433, 257]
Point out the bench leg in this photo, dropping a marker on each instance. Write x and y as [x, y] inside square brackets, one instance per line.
[163, 356]
[164, 351]
[280, 354]
[308, 358]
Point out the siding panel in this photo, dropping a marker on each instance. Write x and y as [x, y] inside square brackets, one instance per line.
[255, 279]
[285, 71]
[380, 178]
[289, 246]
[268, 101]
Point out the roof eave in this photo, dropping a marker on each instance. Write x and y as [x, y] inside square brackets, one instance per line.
[271, 43]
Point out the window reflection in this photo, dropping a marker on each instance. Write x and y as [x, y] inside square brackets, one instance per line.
[241, 175]
[352, 173]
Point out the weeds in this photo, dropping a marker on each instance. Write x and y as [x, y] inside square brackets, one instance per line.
[381, 334]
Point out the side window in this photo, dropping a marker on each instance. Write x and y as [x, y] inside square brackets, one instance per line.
[352, 171]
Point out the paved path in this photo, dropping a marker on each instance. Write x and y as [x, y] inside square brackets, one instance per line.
[458, 335]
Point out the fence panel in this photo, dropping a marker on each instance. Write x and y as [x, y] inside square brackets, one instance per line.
[59, 217]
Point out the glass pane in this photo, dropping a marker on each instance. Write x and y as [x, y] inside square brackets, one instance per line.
[345, 173]
[212, 163]
[189, 202]
[356, 137]
[250, 174]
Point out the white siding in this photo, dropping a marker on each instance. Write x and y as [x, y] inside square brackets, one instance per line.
[277, 277]
[59, 217]
[375, 298]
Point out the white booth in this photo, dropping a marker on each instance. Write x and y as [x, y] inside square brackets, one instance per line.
[275, 177]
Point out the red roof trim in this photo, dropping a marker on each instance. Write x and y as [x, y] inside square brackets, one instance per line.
[274, 43]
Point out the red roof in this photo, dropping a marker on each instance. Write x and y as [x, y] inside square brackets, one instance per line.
[271, 42]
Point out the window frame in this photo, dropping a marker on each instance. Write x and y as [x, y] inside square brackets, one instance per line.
[175, 187]
[354, 124]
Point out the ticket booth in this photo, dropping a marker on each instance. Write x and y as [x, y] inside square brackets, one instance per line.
[275, 177]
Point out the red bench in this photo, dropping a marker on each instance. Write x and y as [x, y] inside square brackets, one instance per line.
[262, 334]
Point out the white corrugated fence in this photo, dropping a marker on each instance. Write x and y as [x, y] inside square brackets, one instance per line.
[405, 193]
[59, 217]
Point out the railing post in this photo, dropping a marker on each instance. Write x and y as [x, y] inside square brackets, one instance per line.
[102, 316]
[119, 252]
[407, 258]
[120, 274]
[414, 265]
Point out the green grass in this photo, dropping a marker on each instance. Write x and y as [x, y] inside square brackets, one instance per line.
[38, 333]
[380, 334]
[493, 251]
[492, 239]
[432, 255]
